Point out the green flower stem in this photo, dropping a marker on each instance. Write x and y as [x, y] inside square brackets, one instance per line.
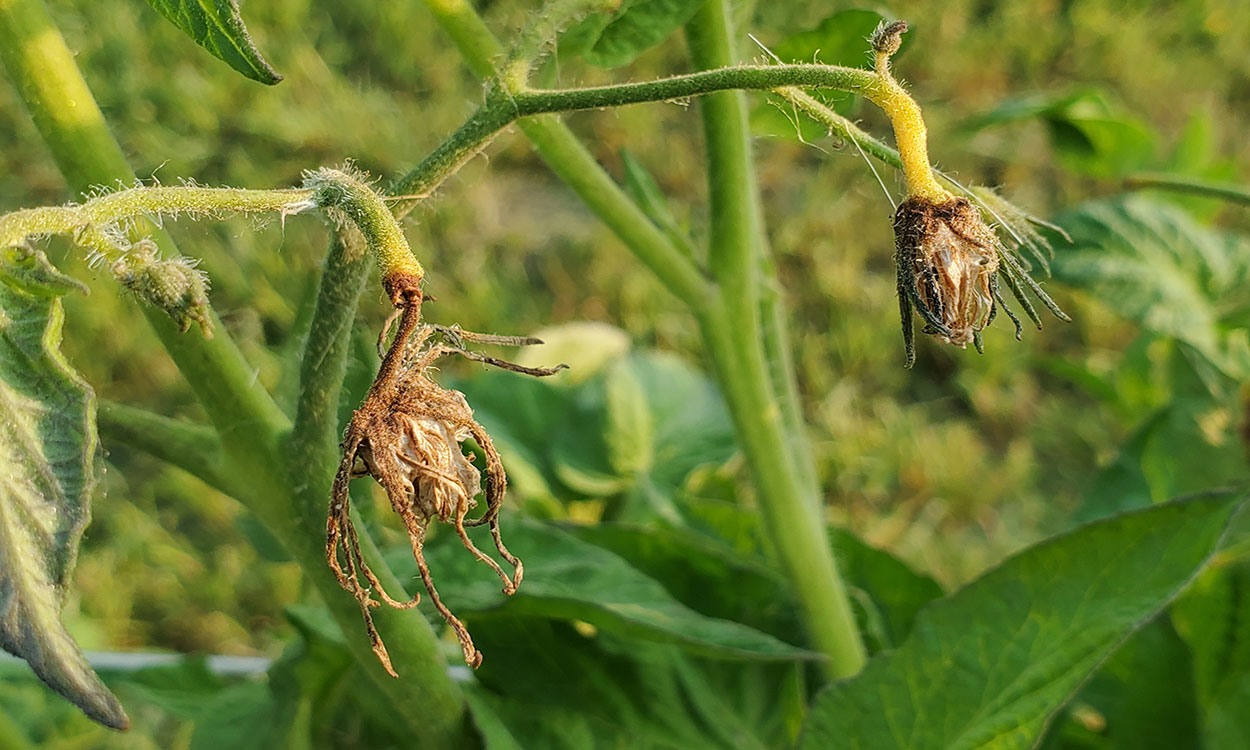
[425, 697]
[132, 203]
[193, 448]
[780, 460]
[502, 108]
[346, 194]
[251, 427]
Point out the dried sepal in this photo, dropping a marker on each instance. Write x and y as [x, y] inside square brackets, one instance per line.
[407, 436]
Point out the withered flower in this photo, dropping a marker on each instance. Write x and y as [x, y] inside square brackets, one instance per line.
[949, 263]
[407, 436]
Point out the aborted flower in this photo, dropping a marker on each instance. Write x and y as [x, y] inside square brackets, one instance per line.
[407, 436]
[949, 263]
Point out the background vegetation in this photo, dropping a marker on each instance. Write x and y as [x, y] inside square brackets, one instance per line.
[950, 466]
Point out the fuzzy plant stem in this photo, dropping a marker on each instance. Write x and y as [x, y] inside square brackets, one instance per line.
[734, 331]
[253, 431]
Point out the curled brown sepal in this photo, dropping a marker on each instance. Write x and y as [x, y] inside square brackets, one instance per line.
[407, 436]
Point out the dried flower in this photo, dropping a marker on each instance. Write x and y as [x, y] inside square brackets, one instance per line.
[948, 261]
[407, 436]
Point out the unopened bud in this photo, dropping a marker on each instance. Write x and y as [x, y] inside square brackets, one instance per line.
[888, 37]
[174, 285]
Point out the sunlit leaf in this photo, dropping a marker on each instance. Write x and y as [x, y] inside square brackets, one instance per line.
[1149, 262]
[51, 459]
[217, 26]
[988, 666]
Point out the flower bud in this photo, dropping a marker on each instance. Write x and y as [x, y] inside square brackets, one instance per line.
[888, 37]
[174, 285]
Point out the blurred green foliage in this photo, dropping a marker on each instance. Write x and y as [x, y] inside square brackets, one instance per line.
[951, 466]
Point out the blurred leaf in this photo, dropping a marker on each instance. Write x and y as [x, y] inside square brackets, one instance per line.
[703, 573]
[552, 686]
[610, 40]
[1089, 134]
[1213, 618]
[898, 592]
[181, 690]
[51, 460]
[631, 427]
[840, 39]
[990, 665]
[585, 346]
[217, 26]
[1149, 262]
[1120, 485]
[243, 717]
[642, 188]
[635, 431]
[570, 579]
[886, 593]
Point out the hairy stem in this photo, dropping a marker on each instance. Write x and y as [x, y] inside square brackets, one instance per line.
[132, 203]
[735, 335]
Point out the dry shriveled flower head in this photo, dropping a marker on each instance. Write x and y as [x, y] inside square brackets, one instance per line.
[407, 436]
[949, 263]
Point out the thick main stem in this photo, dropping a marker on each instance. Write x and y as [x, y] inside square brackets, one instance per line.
[735, 336]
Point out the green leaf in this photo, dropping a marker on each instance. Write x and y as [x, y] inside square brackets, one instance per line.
[570, 579]
[1213, 618]
[217, 26]
[610, 40]
[839, 39]
[1090, 135]
[1141, 699]
[51, 459]
[1149, 262]
[988, 666]
[553, 686]
[243, 717]
[897, 591]
[181, 690]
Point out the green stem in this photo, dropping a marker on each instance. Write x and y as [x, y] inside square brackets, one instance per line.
[132, 203]
[502, 108]
[570, 160]
[779, 459]
[1228, 191]
[193, 448]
